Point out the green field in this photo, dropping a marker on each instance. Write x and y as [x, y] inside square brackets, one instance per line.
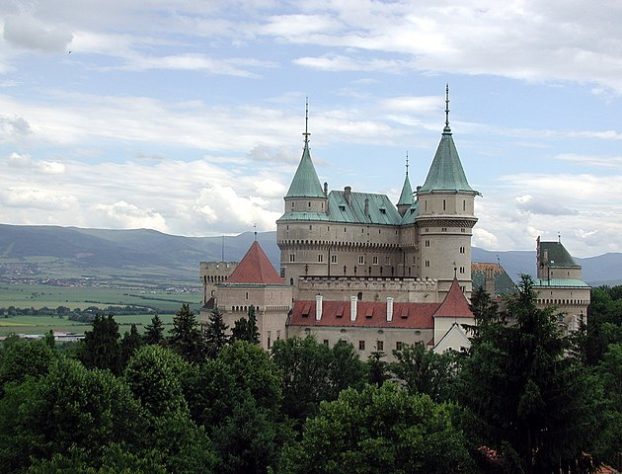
[37, 296]
[43, 324]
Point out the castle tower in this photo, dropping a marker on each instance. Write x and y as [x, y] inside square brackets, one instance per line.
[445, 216]
[306, 203]
[406, 197]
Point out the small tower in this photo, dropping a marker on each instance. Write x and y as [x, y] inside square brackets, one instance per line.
[306, 206]
[445, 216]
[406, 198]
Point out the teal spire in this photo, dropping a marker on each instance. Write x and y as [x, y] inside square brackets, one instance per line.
[446, 173]
[305, 182]
[406, 198]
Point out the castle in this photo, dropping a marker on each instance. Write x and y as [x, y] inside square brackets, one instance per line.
[356, 267]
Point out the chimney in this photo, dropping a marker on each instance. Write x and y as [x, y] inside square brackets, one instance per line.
[367, 207]
[389, 309]
[325, 188]
[353, 300]
[347, 191]
[318, 307]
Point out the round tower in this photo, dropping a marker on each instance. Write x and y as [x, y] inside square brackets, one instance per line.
[446, 216]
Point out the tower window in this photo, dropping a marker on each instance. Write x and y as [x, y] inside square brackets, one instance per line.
[427, 263]
[427, 243]
[361, 260]
[310, 203]
[292, 205]
[443, 229]
[464, 204]
[462, 249]
[374, 260]
[333, 259]
[292, 257]
[320, 258]
[444, 205]
[310, 227]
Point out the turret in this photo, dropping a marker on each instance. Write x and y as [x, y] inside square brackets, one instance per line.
[406, 197]
[445, 216]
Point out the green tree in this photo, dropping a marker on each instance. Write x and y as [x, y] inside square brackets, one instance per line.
[245, 329]
[186, 338]
[379, 429]
[525, 396]
[21, 358]
[100, 347]
[424, 371]
[154, 332]
[130, 343]
[68, 408]
[215, 334]
[154, 375]
[377, 369]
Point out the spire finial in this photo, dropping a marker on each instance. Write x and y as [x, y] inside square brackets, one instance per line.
[447, 106]
[406, 162]
[306, 133]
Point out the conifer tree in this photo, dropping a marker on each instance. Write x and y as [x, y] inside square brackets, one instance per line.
[215, 334]
[129, 344]
[154, 332]
[100, 347]
[185, 336]
[245, 329]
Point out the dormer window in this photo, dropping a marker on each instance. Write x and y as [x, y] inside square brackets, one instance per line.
[342, 208]
[383, 210]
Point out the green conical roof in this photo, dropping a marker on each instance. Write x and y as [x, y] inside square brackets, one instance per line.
[305, 182]
[446, 173]
[406, 198]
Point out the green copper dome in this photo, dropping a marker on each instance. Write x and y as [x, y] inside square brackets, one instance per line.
[446, 173]
[305, 182]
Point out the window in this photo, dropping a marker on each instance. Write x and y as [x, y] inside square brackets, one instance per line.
[462, 249]
[292, 204]
[464, 204]
[333, 259]
[344, 229]
[361, 345]
[461, 270]
[287, 227]
[325, 342]
[361, 259]
[269, 341]
[380, 345]
[387, 259]
[310, 203]
[427, 243]
[374, 260]
[398, 345]
[383, 211]
[310, 227]
[292, 257]
[362, 231]
[247, 295]
[282, 273]
[342, 208]
[443, 229]
[444, 205]
[359, 296]
[320, 258]
[345, 269]
[278, 335]
[463, 230]
[427, 263]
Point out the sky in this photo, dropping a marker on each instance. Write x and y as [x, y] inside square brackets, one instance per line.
[187, 116]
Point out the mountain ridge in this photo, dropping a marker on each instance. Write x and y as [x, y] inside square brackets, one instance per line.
[148, 253]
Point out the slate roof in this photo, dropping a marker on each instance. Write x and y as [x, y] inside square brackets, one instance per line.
[255, 267]
[455, 304]
[503, 283]
[380, 210]
[558, 256]
[446, 173]
[305, 182]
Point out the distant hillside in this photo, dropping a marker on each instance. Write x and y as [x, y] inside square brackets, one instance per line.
[144, 255]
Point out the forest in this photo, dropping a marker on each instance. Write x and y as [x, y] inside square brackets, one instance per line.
[524, 398]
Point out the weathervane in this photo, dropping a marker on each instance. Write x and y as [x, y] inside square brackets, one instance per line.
[406, 162]
[446, 105]
[306, 132]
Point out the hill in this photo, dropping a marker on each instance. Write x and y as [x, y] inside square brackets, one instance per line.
[144, 255]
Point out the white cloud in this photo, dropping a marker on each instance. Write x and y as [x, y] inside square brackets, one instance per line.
[28, 197]
[28, 32]
[128, 216]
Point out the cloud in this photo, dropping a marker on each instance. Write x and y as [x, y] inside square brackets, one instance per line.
[13, 127]
[25, 162]
[128, 216]
[591, 160]
[338, 63]
[29, 33]
[543, 205]
[28, 197]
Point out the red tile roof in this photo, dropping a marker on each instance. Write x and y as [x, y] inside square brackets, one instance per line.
[255, 267]
[371, 314]
[455, 304]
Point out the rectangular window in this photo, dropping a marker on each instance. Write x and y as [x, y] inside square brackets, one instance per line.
[427, 243]
[444, 206]
[320, 258]
[292, 205]
[269, 339]
[282, 273]
[444, 229]
[463, 205]
[387, 260]
[292, 257]
[361, 345]
[361, 259]
[325, 342]
[374, 260]
[398, 345]
[278, 335]
[427, 263]
[380, 345]
[333, 259]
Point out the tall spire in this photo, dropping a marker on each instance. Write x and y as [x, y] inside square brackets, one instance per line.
[406, 197]
[305, 182]
[447, 129]
[306, 132]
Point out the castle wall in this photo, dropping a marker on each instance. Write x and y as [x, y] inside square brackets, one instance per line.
[213, 273]
[388, 339]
